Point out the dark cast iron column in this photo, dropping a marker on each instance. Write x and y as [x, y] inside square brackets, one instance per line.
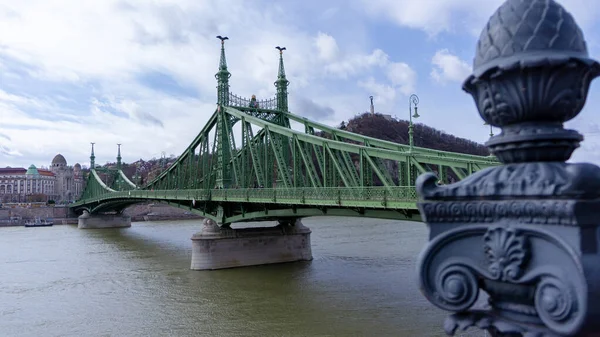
[525, 233]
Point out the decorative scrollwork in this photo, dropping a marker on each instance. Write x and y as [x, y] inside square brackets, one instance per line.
[557, 305]
[456, 288]
[497, 326]
[506, 252]
[510, 99]
[533, 79]
[530, 75]
[541, 179]
[559, 212]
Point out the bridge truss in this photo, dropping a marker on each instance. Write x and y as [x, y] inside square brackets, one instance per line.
[249, 164]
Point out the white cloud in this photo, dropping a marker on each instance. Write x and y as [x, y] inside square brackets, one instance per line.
[382, 93]
[89, 56]
[103, 47]
[448, 67]
[432, 16]
[326, 46]
[402, 76]
[435, 16]
[356, 63]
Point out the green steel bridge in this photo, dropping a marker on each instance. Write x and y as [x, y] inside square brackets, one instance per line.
[267, 170]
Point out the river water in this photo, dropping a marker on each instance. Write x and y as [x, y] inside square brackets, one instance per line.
[62, 281]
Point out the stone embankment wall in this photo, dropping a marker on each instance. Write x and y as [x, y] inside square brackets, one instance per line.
[149, 212]
[15, 215]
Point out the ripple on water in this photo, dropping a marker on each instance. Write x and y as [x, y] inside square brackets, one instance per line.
[137, 282]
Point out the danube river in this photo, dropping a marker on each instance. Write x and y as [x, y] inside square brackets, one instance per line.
[62, 281]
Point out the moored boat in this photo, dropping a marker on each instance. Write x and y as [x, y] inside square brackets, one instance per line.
[37, 222]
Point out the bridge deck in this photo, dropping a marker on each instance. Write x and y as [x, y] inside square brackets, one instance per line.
[379, 197]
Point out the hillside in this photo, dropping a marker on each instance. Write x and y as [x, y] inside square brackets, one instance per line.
[378, 126]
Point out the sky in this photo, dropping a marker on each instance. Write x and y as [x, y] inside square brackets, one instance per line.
[141, 73]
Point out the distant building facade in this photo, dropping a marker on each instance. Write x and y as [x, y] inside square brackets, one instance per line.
[69, 182]
[61, 183]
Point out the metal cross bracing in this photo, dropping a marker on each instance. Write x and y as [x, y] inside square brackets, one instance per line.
[269, 170]
[281, 172]
[106, 179]
[96, 186]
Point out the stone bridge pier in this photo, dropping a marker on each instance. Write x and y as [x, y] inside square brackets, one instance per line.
[526, 233]
[93, 221]
[222, 247]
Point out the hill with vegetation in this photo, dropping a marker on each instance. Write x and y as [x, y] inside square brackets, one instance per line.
[386, 128]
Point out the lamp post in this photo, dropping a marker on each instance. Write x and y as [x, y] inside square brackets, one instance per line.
[491, 130]
[92, 158]
[525, 232]
[136, 177]
[412, 100]
[491, 135]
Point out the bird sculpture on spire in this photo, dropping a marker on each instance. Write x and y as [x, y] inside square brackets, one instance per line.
[222, 38]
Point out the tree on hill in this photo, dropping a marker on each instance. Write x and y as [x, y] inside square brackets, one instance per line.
[377, 126]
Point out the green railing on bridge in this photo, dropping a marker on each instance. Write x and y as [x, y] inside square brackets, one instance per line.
[369, 197]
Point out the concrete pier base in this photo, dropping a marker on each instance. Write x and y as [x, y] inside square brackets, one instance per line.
[216, 248]
[89, 221]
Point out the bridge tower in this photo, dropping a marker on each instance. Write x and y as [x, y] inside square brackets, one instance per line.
[223, 76]
[118, 156]
[92, 158]
[282, 105]
[281, 84]
[223, 173]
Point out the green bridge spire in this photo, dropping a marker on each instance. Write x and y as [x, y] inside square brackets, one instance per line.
[118, 156]
[223, 76]
[281, 84]
[92, 158]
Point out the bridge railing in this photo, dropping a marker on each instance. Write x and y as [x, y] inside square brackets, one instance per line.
[369, 197]
[341, 196]
[239, 101]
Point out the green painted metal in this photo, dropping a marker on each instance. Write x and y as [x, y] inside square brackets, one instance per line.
[223, 76]
[92, 158]
[281, 84]
[279, 172]
[95, 186]
[119, 157]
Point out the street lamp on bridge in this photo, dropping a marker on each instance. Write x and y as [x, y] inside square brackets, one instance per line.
[92, 158]
[491, 130]
[119, 156]
[413, 100]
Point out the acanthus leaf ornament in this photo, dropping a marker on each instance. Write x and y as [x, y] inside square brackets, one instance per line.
[506, 252]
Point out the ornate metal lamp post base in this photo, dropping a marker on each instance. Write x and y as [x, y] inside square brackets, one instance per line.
[496, 325]
[526, 233]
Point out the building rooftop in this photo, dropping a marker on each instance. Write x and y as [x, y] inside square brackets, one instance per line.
[59, 159]
[46, 173]
[12, 171]
[18, 171]
[32, 170]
